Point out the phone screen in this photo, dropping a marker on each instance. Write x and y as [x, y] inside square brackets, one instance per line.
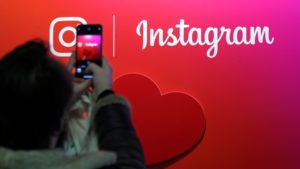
[89, 48]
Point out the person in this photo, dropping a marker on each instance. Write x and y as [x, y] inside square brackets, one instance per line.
[36, 91]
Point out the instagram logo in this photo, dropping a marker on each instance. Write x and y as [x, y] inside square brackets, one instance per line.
[62, 35]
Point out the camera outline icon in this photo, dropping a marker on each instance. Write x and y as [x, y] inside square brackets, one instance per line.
[61, 33]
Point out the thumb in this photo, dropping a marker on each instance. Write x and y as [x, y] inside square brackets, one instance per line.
[93, 68]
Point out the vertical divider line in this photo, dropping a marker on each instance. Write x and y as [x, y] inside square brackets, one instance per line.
[114, 32]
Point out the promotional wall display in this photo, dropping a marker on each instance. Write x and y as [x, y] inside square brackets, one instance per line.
[212, 84]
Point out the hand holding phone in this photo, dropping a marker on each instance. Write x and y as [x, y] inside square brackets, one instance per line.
[102, 77]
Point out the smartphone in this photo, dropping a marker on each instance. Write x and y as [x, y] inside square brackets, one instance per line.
[88, 48]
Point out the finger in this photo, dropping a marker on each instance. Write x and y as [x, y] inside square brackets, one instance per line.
[92, 68]
[71, 62]
[105, 64]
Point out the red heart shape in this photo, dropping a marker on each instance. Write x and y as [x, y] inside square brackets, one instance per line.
[168, 125]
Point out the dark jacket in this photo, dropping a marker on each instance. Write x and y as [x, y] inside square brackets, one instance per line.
[116, 133]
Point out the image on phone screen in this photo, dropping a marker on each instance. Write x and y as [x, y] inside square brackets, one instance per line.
[88, 48]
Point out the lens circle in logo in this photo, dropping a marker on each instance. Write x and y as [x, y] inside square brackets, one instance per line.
[61, 34]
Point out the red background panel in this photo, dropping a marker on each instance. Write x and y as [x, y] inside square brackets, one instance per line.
[250, 94]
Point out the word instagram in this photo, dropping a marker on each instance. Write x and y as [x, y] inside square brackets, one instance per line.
[210, 36]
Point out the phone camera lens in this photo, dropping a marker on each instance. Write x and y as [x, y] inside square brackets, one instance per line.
[89, 28]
